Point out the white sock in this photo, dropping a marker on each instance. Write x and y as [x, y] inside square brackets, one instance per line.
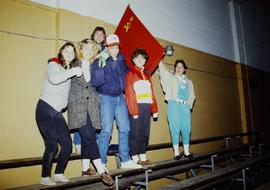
[105, 168]
[186, 149]
[78, 148]
[176, 149]
[99, 165]
[142, 157]
[135, 158]
[85, 164]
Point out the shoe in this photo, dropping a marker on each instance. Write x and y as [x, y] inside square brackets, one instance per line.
[60, 178]
[190, 157]
[47, 181]
[145, 163]
[130, 165]
[177, 157]
[89, 172]
[107, 179]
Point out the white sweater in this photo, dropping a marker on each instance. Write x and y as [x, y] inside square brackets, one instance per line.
[56, 86]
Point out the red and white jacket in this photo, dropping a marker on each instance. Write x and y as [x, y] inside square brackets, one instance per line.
[139, 89]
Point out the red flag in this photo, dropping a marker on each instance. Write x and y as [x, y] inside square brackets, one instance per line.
[133, 34]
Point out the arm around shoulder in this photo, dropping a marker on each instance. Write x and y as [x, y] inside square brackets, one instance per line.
[56, 75]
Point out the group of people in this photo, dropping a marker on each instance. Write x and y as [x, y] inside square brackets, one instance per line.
[95, 85]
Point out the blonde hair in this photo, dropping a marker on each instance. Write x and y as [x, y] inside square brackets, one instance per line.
[93, 46]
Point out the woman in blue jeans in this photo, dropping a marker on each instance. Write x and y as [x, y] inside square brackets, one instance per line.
[49, 117]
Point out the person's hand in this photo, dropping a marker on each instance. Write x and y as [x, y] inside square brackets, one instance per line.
[77, 71]
[135, 116]
[155, 115]
[103, 56]
[86, 53]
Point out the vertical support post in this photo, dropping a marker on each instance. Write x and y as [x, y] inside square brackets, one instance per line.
[144, 183]
[260, 148]
[213, 162]
[244, 179]
[146, 179]
[227, 141]
[116, 183]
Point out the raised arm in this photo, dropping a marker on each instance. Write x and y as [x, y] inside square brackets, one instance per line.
[165, 75]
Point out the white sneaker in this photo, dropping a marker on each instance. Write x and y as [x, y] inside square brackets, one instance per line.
[47, 181]
[130, 165]
[60, 178]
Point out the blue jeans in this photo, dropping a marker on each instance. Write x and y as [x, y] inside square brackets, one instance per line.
[77, 138]
[110, 107]
[54, 129]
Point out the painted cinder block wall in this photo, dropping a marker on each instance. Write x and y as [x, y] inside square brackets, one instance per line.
[221, 106]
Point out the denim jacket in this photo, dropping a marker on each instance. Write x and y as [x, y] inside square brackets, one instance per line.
[110, 79]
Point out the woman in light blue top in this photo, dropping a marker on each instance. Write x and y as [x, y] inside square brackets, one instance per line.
[179, 93]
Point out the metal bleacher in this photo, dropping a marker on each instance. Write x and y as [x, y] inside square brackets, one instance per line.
[215, 164]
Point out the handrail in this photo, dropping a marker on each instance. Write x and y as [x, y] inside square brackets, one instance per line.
[204, 140]
[31, 161]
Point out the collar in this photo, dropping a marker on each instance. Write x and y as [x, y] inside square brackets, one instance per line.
[137, 69]
[54, 59]
[183, 76]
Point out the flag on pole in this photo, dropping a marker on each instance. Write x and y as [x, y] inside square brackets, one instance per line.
[133, 34]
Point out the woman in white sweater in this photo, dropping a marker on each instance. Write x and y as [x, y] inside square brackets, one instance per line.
[51, 123]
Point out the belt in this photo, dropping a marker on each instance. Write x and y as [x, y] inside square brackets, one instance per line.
[181, 101]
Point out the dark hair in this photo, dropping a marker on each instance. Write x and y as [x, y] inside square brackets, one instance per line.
[98, 28]
[61, 58]
[182, 62]
[139, 51]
